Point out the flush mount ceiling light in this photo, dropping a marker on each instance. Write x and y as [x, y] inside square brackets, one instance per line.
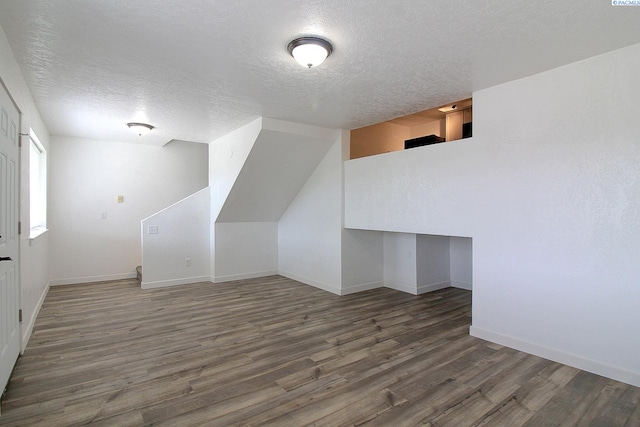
[448, 108]
[140, 128]
[458, 105]
[310, 51]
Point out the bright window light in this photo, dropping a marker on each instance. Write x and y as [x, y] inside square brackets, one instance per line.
[37, 186]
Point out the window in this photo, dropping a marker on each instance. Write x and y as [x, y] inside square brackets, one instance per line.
[37, 186]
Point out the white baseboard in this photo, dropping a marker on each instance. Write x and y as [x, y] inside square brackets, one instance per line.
[243, 276]
[576, 361]
[311, 282]
[28, 330]
[423, 289]
[410, 289]
[462, 285]
[361, 287]
[419, 289]
[91, 279]
[173, 282]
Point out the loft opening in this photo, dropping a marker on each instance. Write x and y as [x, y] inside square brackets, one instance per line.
[450, 122]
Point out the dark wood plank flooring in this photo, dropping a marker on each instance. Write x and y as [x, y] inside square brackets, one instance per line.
[272, 351]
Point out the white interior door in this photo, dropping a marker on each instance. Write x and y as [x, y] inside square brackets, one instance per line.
[9, 239]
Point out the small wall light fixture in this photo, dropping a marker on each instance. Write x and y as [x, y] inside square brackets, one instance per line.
[140, 128]
[310, 51]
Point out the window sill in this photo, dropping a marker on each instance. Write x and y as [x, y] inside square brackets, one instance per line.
[36, 235]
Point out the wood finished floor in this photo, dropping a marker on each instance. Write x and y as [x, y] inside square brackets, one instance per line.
[272, 351]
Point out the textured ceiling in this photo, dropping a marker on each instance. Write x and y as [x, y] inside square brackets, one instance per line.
[198, 69]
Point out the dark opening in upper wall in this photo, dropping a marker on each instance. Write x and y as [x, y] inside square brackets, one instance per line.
[443, 124]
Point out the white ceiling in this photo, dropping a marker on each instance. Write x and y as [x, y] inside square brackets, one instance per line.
[197, 69]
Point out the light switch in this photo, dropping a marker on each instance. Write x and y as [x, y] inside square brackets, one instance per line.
[153, 229]
[120, 199]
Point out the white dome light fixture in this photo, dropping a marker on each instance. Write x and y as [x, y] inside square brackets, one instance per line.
[310, 51]
[140, 128]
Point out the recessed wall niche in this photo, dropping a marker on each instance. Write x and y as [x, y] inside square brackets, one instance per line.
[420, 263]
[448, 123]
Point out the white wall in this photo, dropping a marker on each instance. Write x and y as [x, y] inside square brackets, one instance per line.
[86, 177]
[177, 252]
[34, 268]
[245, 250]
[227, 156]
[400, 270]
[362, 250]
[309, 231]
[432, 263]
[362, 261]
[461, 262]
[549, 191]
[419, 263]
[313, 247]
[278, 165]
[255, 188]
[435, 189]
[568, 242]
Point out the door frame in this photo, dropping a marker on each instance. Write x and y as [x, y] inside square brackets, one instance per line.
[18, 263]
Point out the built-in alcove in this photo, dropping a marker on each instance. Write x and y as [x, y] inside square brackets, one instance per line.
[420, 263]
[447, 123]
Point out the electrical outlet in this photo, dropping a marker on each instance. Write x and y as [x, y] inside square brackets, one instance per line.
[187, 262]
[120, 199]
[103, 215]
[153, 229]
